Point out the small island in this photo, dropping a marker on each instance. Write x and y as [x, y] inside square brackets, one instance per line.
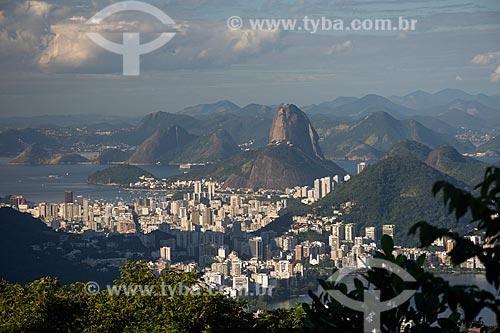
[121, 175]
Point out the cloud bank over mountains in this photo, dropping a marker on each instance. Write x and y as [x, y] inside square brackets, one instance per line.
[51, 37]
[49, 65]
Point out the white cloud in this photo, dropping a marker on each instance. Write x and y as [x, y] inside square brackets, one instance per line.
[249, 42]
[495, 77]
[36, 34]
[458, 78]
[339, 48]
[486, 58]
[25, 32]
[68, 47]
[37, 8]
[211, 45]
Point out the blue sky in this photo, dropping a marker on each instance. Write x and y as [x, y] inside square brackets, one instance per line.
[48, 65]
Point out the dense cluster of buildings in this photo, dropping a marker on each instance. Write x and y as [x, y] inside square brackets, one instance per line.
[223, 232]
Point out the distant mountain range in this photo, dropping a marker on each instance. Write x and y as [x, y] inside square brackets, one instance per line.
[371, 136]
[213, 147]
[442, 115]
[155, 122]
[421, 100]
[13, 141]
[36, 155]
[339, 123]
[445, 159]
[360, 107]
[292, 157]
[162, 146]
[211, 109]
[176, 145]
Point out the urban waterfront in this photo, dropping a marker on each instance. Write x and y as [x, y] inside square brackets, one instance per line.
[48, 183]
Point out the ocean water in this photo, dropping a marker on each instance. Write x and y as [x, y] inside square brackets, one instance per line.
[47, 183]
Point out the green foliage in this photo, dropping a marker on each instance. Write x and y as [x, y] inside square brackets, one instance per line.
[312, 236]
[409, 148]
[435, 307]
[113, 155]
[281, 320]
[483, 211]
[174, 301]
[41, 306]
[295, 208]
[449, 161]
[213, 147]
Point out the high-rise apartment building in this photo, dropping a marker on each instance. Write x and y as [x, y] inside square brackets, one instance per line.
[317, 189]
[361, 166]
[211, 190]
[326, 186]
[370, 233]
[388, 229]
[349, 232]
[256, 247]
[166, 253]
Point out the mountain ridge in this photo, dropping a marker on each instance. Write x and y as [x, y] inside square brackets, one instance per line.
[161, 147]
[380, 131]
[34, 154]
[292, 158]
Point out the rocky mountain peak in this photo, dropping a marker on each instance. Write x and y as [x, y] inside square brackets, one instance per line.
[292, 125]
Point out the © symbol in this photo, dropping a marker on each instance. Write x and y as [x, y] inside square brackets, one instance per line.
[131, 49]
[372, 306]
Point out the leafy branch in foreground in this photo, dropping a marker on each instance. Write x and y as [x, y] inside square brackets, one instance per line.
[483, 210]
[436, 305]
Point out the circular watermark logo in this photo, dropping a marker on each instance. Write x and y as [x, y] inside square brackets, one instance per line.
[372, 305]
[131, 49]
[92, 288]
[235, 23]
